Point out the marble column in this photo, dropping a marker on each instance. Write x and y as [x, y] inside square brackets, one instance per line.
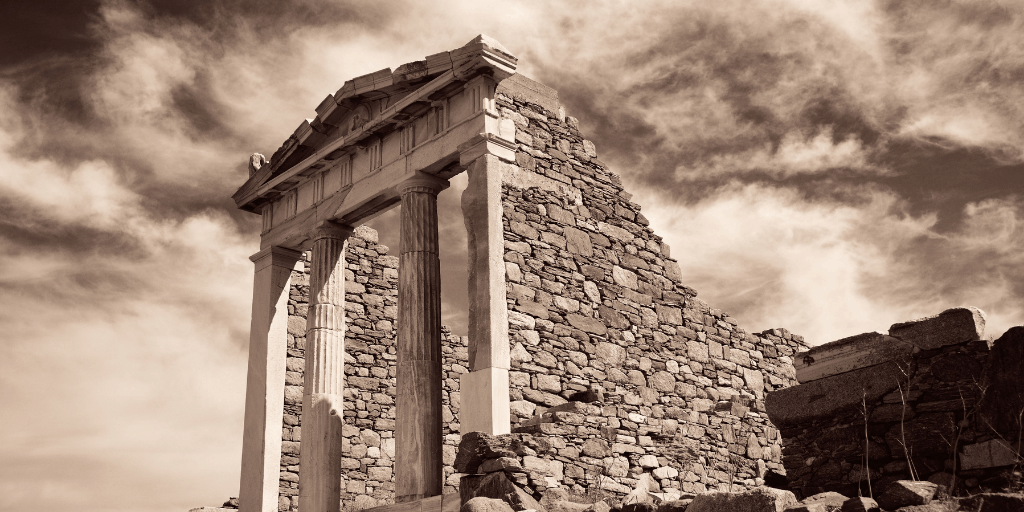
[484, 390]
[418, 464]
[264, 387]
[320, 448]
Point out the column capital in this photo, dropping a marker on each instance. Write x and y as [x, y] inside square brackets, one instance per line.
[422, 182]
[487, 144]
[275, 255]
[331, 229]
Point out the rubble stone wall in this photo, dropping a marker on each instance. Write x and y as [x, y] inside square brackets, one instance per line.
[596, 303]
[932, 395]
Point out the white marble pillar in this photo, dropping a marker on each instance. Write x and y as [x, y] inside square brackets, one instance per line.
[264, 386]
[418, 464]
[320, 448]
[484, 403]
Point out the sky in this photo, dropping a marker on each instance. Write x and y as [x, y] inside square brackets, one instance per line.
[827, 166]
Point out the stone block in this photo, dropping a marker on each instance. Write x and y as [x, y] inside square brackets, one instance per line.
[989, 454]
[824, 397]
[477, 447]
[482, 504]
[993, 502]
[758, 499]
[904, 493]
[860, 504]
[497, 486]
[624, 278]
[583, 323]
[952, 326]
[848, 354]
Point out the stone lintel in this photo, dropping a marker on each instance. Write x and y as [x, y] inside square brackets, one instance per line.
[849, 354]
[484, 404]
[951, 327]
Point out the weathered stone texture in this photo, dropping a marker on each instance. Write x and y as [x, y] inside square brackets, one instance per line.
[597, 303]
[948, 404]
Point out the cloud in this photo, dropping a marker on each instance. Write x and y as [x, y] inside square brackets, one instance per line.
[834, 270]
[825, 166]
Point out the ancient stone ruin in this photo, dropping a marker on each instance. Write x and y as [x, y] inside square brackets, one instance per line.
[932, 400]
[589, 368]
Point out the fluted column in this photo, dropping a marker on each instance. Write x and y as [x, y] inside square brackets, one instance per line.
[418, 464]
[320, 448]
[264, 388]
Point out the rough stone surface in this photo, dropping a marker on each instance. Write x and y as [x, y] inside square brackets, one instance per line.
[904, 493]
[951, 327]
[860, 504]
[482, 504]
[758, 499]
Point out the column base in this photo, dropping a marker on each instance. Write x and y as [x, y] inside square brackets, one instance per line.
[483, 402]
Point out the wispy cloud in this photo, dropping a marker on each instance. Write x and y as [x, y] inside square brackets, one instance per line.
[826, 166]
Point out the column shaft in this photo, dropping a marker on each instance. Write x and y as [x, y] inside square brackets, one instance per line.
[264, 387]
[320, 448]
[484, 395]
[418, 464]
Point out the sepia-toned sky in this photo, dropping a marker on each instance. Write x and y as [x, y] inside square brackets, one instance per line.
[827, 166]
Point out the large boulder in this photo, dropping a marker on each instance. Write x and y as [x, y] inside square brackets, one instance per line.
[759, 499]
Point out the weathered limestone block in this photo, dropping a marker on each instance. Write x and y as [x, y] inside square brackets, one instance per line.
[952, 326]
[497, 486]
[823, 397]
[482, 504]
[759, 499]
[989, 454]
[904, 493]
[849, 354]
[476, 447]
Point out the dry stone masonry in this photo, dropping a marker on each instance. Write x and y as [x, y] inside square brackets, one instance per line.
[931, 400]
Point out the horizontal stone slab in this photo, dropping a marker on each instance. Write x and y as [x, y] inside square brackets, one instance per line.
[848, 354]
[824, 397]
[951, 327]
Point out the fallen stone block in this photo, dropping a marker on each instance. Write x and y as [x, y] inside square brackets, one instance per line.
[860, 504]
[848, 354]
[989, 454]
[497, 486]
[824, 397]
[830, 500]
[507, 464]
[902, 493]
[951, 327]
[482, 504]
[759, 499]
[477, 447]
[675, 505]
